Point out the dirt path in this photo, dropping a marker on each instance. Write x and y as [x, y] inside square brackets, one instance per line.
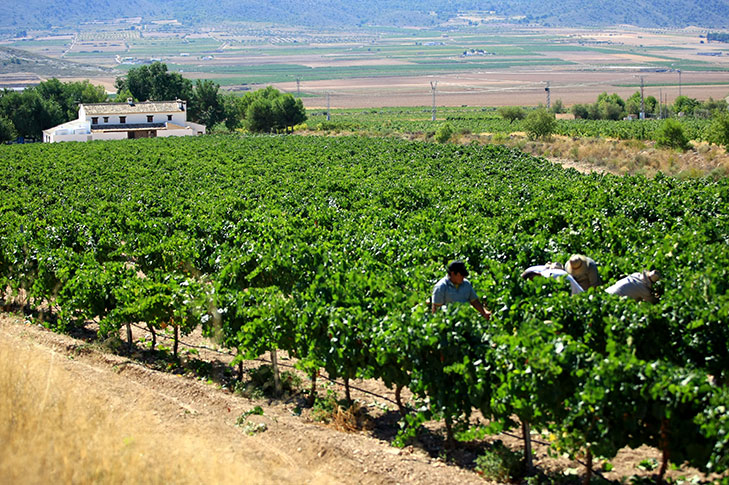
[292, 445]
[581, 166]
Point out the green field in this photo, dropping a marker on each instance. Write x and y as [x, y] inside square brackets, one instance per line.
[407, 121]
[424, 52]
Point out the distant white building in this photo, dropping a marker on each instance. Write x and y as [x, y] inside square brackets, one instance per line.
[117, 121]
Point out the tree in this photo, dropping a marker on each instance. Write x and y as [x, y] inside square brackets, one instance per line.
[7, 130]
[719, 130]
[651, 104]
[235, 111]
[632, 104]
[69, 95]
[30, 113]
[710, 107]
[557, 107]
[155, 83]
[540, 124]
[260, 117]
[671, 135]
[265, 110]
[288, 112]
[610, 106]
[581, 111]
[512, 113]
[206, 105]
[685, 105]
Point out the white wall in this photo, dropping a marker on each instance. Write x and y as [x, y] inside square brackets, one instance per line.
[196, 127]
[167, 133]
[179, 118]
[54, 138]
[112, 135]
[76, 130]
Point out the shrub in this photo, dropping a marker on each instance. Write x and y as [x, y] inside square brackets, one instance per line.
[719, 130]
[444, 133]
[671, 135]
[499, 463]
[540, 124]
[512, 113]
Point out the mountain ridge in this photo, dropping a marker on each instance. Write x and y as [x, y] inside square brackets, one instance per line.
[37, 14]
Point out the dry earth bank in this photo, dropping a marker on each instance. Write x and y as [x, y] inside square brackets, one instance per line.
[184, 426]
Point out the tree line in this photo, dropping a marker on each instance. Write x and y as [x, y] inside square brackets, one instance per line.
[613, 107]
[265, 110]
[27, 113]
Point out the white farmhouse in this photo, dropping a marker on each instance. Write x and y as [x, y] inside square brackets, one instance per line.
[116, 121]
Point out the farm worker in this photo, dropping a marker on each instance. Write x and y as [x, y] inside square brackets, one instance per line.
[555, 271]
[638, 286]
[584, 270]
[455, 288]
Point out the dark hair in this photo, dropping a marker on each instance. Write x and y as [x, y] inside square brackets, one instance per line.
[458, 267]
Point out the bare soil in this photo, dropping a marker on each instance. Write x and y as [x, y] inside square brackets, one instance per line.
[294, 444]
[508, 87]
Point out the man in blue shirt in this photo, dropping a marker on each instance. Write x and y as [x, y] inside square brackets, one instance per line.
[456, 288]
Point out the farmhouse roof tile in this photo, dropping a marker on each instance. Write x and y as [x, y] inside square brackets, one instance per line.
[135, 108]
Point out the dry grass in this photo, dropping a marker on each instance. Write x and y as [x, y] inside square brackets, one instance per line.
[53, 431]
[351, 419]
[622, 156]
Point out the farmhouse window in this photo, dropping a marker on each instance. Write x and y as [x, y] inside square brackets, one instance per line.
[94, 120]
[150, 118]
[169, 117]
[122, 119]
[106, 119]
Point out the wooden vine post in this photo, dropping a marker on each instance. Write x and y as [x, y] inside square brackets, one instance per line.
[527, 433]
[276, 376]
[177, 341]
[129, 336]
[312, 391]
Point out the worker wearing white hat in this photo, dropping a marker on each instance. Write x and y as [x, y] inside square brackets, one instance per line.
[584, 270]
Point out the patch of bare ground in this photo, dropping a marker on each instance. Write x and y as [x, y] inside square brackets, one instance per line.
[186, 404]
[627, 157]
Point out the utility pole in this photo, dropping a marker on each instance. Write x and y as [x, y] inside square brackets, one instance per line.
[328, 117]
[433, 86]
[660, 104]
[642, 101]
[298, 86]
[549, 104]
[679, 82]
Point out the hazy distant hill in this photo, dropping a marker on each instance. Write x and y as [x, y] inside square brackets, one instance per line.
[14, 61]
[16, 15]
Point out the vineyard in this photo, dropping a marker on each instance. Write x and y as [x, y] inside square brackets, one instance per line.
[487, 120]
[328, 248]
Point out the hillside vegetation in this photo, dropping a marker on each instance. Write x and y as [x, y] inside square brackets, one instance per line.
[17, 16]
